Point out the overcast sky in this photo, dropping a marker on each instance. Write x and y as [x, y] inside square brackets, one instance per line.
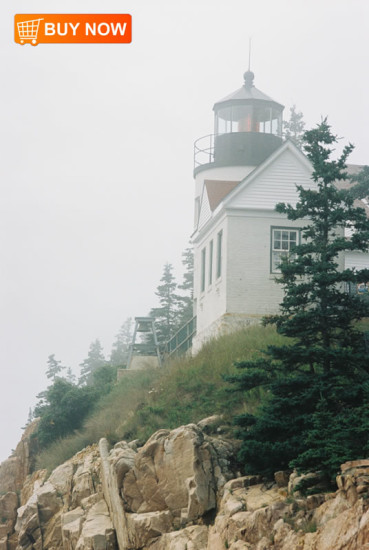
[97, 155]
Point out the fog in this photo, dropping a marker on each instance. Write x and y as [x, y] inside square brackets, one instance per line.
[97, 156]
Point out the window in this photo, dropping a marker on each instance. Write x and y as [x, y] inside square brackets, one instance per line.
[197, 210]
[283, 242]
[203, 267]
[219, 253]
[211, 247]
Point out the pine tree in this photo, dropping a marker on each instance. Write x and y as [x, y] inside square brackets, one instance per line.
[120, 348]
[94, 361]
[361, 180]
[166, 315]
[62, 410]
[316, 413]
[293, 128]
[54, 367]
[185, 301]
[70, 377]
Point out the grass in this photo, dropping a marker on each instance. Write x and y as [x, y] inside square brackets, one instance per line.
[185, 390]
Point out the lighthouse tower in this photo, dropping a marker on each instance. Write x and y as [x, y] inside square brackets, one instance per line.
[241, 172]
[247, 129]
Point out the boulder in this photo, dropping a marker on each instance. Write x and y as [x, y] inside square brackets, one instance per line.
[86, 478]
[62, 479]
[179, 471]
[282, 478]
[15, 469]
[194, 537]
[8, 513]
[31, 484]
[211, 423]
[71, 527]
[146, 527]
[49, 501]
[28, 526]
[97, 531]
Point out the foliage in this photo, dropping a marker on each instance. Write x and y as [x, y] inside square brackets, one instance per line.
[120, 349]
[293, 128]
[54, 367]
[103, 378]
[166, 314]
[63, 410]
[184, 390]
[70, 376]
[94, 360]
[185, 301]
[318, 381]
[64, 406]
[360, 189]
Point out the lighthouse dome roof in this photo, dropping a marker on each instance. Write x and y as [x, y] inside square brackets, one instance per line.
[247, 93]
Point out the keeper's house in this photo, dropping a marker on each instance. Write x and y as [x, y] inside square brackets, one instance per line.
[241, 172]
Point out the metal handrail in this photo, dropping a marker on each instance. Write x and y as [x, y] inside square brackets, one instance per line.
[204, 150]
[181, 341]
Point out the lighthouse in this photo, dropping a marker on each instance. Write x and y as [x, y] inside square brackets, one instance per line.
[247, 129]
[241, 172]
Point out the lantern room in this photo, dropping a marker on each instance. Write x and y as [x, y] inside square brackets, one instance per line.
[247, 129]
[248, 110]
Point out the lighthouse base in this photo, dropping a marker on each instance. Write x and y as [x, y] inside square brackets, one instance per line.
[226, 324]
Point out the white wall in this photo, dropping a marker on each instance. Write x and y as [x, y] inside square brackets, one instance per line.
[210, 304]
[251, 287]
[358, 260]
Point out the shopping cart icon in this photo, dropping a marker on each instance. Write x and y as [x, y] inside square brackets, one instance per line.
[28, 30]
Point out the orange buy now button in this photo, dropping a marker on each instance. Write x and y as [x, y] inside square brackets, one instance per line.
[53, 28]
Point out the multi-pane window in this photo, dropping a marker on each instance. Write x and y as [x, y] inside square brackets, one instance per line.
[283, 243]
[211, 247]
[203, 269]
[219, 253]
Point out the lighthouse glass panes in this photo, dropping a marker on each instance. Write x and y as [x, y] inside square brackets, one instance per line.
[283, 242]
[248, 118]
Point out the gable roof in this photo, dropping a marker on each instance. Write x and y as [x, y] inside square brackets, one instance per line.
[205, 210]
[273, 181]
[217, 190]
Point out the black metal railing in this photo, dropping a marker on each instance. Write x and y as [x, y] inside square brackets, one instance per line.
[182, 339]
[204, 150]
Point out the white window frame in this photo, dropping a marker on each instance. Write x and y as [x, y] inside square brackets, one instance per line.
[219, 253]
[211, 254]
[281, 244]
[203, 270]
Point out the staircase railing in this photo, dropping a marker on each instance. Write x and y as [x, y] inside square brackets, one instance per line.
[182, 339]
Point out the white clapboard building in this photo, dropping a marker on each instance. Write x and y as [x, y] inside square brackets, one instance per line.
[241, 172]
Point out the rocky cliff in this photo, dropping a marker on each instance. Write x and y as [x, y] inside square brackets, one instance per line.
[180, 491]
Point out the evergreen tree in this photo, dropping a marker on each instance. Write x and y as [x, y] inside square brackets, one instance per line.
[185, 301]
[120, 349]
[70, 377]
[63, 408]
[361, 180]
[54, 367]
[94, 360]
[316, 413]
[166, 314]
[30, 418]
[293, 128]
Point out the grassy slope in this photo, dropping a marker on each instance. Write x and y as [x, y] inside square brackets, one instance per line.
[185, 390]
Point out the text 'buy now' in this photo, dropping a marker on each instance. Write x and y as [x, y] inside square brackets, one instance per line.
[72, 28]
